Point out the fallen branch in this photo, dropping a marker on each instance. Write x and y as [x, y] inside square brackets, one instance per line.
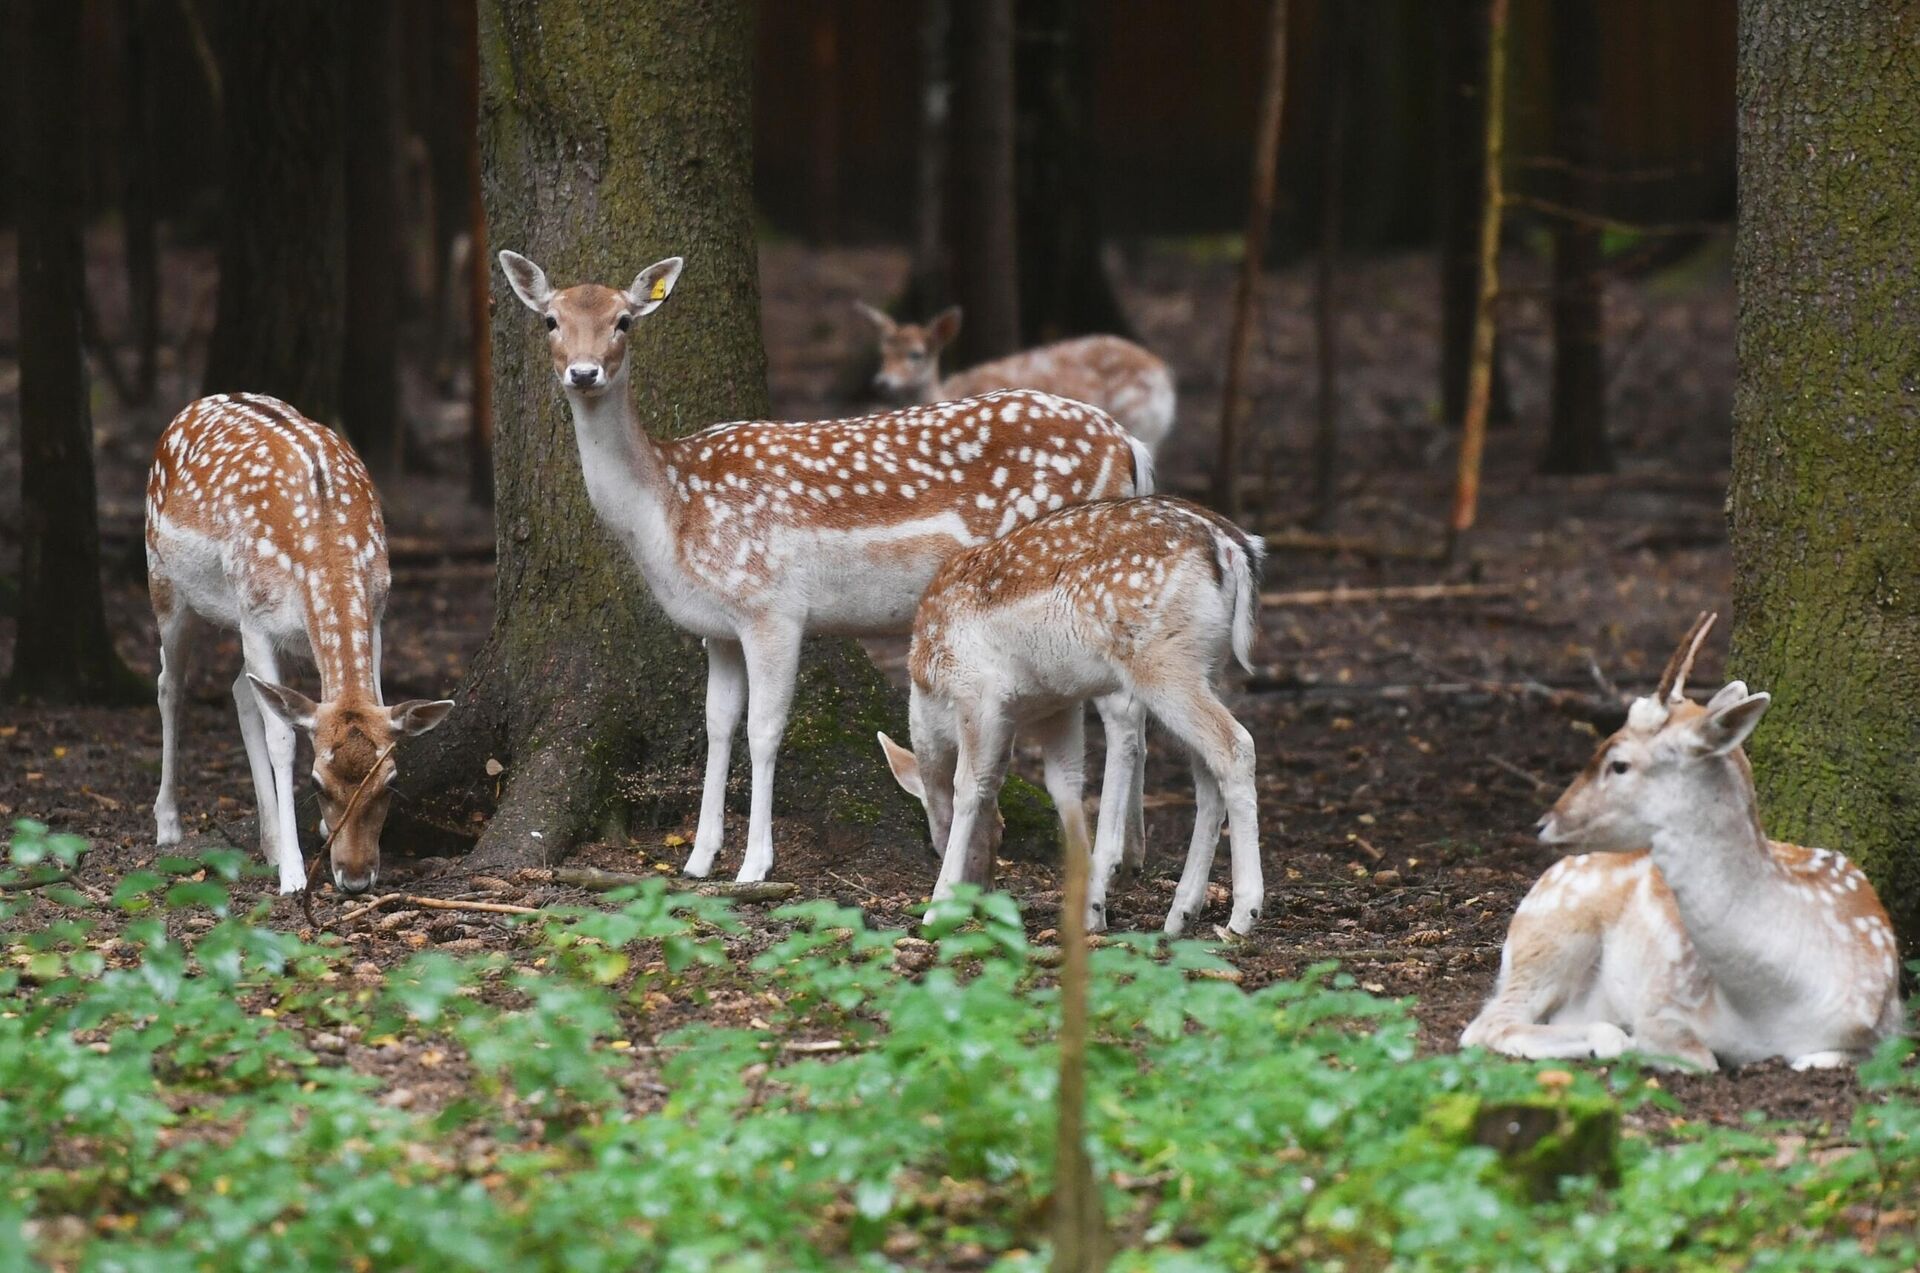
[1404, 592]
[591, 877]
[437, 904]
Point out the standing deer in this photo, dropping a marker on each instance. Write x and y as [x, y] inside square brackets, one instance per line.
[1116, 375]
[756, 533]
[1712, 944]
[260, 520]
[1141, 597]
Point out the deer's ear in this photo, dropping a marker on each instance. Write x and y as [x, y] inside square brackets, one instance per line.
[417, 716]
[1731, 692]
[653, 285]
[881, 323]
[290, 706]
[529, 281]
[906, 768]
[944, 327]
[1720, 731]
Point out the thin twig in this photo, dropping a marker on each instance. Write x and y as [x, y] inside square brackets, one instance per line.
[438, 904]
[1408, 592]
[353, 802]
[1528, 775]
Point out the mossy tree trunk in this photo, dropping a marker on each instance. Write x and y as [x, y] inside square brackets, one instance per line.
[612, 135]
[1826, 465]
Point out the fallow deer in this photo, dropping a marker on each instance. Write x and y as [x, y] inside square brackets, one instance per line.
[755, 533]
[260, 520]
[1118, 376]
[1712, 944]
[1142, 597]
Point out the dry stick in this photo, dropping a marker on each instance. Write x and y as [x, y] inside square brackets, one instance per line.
[1326, 314]
[1406, 592]
[437, 904]
[1234, 405]
[591, 877]
[1473, 436]
[1078, 1221]
[353, 801]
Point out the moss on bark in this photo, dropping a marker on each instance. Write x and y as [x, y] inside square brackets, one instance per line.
[1826, 467]
[614, 134]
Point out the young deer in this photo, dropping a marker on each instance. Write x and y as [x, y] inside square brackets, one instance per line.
[260, 520]
[1714, 944]
[1142, 597]
[1116, 375]
[755, 533]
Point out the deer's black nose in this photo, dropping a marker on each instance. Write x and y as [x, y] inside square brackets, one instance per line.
[583, 377]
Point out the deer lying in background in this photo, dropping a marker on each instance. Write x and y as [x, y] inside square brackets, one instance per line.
[260, 520]
[755, 533]
[1116, 375]
[1714, 944]
[1143, 597]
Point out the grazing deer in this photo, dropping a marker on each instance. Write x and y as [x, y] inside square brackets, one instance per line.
[260, 520]
[1116, 375]
[755, 533]
[1138, 597]
[1713, 944]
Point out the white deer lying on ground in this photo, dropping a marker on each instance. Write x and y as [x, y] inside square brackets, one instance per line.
[756, 533]
[1146, 597]
[259, 519]
[1116, 375]
[1712, 945]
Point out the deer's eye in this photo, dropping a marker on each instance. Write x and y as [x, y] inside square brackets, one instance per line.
[623, 322]
[552, 322]
[1619, 766]
[916, 356]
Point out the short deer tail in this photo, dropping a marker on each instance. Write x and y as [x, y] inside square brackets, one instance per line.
[1242, 558]
[1142, 466]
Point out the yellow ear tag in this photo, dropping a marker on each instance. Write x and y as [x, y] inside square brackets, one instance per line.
[659, 292]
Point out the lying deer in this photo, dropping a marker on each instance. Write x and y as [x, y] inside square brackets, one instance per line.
[1143, 597]
[1116, 375]
[1712, 945]
[755, 533]
[260, 520]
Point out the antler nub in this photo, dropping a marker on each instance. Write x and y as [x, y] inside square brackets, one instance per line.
[1673, 681]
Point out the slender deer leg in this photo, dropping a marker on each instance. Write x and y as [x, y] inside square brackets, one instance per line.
[1062, 739]
[772, 661]
[984, 738]
[176, 632]
[280, 744]
[1117, 833]
[1210, 808]
[1202, 722]
[726, 698]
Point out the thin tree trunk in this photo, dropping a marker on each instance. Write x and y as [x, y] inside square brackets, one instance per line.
[585, 691]
[927, 284]
[1326, 309]
[1064, 288]
[474, 288]
[139, 228]
[370, 371]
[1461, 37]
[1235, 403]
[280, 314]
[1577, 430]
[1826, 455]
[823, 151]
[1079, 1222]
[981, 187]
[63, 652]
[1473, 432]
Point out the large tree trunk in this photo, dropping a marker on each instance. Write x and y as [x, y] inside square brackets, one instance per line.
[63, 652]
[1826, 463]
[1064, 289]
[927, 289]
[370, 367]
[1577, 428]
[1462, 42]
[610, 141]
[279, 320]
[981, 188]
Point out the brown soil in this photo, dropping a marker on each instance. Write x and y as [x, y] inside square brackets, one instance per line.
[1405, 748]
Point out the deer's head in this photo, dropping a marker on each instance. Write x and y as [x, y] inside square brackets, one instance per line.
[1650, 774]
[588, 325]
[910, 352]
[352, 754]
[926, 773]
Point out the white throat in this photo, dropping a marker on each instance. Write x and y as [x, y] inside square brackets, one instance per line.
[623, 473]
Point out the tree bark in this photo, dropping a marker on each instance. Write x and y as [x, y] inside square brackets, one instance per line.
[1577, 428]
[610, 139]
[1336, 99]
[370, 369]
[1462, 42]
[64, 652]
[981, 187]
[278, 324]
[928, 287]
[1826, 460]
[140, 227]
[1064, 288]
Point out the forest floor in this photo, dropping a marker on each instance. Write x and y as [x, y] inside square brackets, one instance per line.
[1405, 747]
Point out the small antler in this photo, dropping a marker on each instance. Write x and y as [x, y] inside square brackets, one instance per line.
[1673, 681]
